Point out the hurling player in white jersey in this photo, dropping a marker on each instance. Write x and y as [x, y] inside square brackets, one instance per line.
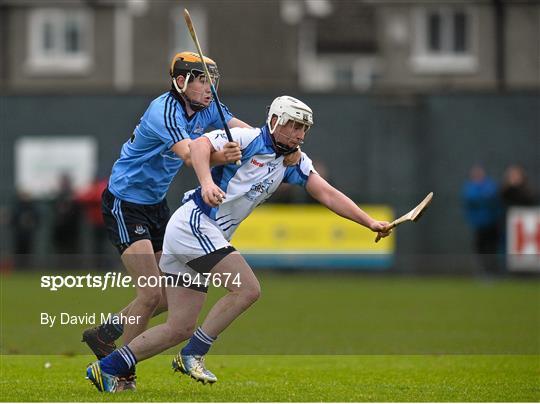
[197, 238]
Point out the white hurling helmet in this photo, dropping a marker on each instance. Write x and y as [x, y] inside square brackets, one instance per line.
[288, 108]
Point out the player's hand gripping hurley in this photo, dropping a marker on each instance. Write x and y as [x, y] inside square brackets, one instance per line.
[191, 29]
[412, 216]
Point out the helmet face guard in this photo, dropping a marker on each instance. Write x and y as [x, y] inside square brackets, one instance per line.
[284, 119]
[196, 73]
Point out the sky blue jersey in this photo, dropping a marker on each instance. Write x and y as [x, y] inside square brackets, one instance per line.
[147, 165]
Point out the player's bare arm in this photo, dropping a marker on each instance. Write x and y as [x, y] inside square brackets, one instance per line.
[230, 153]
[237, 123]
[342, 205]
[201, 151]
[181, 149]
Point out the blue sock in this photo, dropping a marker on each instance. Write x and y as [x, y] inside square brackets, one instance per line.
[199, 344]
[119, 362]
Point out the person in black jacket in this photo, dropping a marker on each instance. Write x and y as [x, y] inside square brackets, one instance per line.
[66, 222]
[515, 189]
[24, 221]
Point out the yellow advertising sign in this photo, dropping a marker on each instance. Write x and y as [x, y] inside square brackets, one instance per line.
[309, 229]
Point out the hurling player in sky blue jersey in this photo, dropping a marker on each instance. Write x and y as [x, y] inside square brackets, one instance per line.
[134, 205]
[197, 239]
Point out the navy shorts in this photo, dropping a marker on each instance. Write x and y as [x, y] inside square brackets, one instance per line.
[127, 222]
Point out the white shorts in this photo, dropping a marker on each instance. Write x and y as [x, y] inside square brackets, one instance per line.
[190, 234]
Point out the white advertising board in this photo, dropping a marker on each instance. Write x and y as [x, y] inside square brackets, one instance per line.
[41, 161]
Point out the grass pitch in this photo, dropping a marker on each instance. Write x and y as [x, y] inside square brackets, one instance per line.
[357, 339]
[288, 378]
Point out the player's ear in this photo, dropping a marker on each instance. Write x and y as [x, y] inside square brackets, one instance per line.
[180, 80]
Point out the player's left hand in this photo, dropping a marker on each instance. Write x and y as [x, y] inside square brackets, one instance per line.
[380, 227]
[293, 158]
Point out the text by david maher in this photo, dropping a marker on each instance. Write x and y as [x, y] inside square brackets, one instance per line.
[63, 318]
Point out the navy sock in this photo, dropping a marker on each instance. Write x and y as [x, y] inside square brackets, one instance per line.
[119, 362]
[199, 344]
[110, 332]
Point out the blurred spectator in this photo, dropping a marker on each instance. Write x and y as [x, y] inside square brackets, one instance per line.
[515, 191]
[284, 194]
[66, 222]
[24, 222]
[90, 201]
[482, 209]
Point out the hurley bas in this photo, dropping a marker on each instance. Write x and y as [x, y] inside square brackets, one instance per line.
[87, 319]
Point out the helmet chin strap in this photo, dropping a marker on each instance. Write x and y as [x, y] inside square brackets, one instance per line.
[194, 105]
[286, 150]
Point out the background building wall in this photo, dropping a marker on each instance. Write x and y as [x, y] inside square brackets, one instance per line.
[257, 49]
[523, 46]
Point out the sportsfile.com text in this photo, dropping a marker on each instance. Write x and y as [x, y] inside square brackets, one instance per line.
[117, 280]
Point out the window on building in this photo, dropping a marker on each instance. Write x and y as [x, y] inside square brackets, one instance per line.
[59, 41]
[337, 49]
[445, 40]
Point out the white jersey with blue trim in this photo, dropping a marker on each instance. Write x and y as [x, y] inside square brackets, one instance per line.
[147, 165]
[251, 183]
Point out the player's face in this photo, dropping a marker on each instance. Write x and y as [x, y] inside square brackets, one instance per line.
[199, 91]
[291, 134]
